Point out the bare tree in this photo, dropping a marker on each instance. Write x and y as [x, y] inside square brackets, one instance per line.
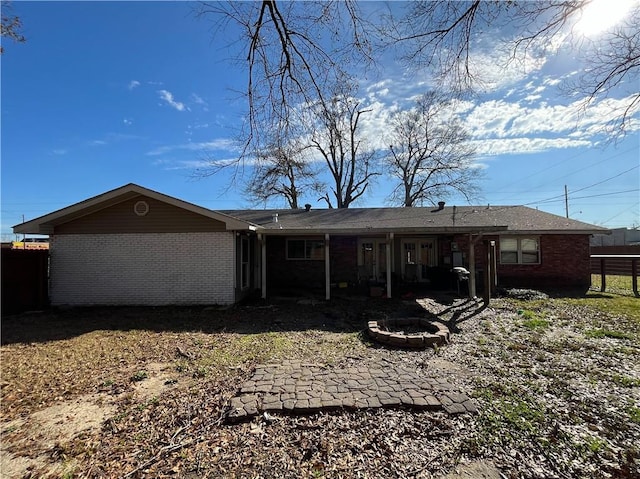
[281, 171]
[338, 138]
[292, 51]
[616, 65]
[430, 154]
[10, 26]
[442, 35]
[294, 48]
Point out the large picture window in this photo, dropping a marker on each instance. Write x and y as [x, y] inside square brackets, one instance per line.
[305, 249]
[524, 250]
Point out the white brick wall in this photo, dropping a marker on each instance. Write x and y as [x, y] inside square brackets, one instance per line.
[142, 269]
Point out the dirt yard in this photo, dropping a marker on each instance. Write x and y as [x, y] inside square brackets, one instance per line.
[139, 392]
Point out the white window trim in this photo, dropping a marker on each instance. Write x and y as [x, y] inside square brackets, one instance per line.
[519, 251]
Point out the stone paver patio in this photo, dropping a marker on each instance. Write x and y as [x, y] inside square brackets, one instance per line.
[300, 387]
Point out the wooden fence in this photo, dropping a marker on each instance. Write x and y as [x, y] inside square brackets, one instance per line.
[616, 260]
[25, 280]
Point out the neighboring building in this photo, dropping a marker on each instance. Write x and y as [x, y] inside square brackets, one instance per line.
[136, 246]
[31, 243]
[617, 237]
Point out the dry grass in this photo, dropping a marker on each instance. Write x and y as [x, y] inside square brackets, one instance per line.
[558, 382]
[617, 284]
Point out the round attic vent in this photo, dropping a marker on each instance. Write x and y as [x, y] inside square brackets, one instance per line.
[141, 208]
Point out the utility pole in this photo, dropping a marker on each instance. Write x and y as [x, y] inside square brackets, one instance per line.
[566, 201]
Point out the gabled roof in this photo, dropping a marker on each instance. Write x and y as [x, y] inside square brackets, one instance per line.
[512, 219]
[451, 219]
[45, 224]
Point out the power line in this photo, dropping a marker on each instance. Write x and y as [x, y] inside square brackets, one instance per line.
[623, 211]
[582, 189]
[611, 178]
[573, 172]
[589, 196]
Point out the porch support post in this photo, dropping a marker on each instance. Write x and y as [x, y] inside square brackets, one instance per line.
[486, 294]
[472, 267]
[388, 259]
[263, 265]
[327, 268]
[494, 267]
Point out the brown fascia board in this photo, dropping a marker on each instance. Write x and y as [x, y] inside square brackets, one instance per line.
[46, 223]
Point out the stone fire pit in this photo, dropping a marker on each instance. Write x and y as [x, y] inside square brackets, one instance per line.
[408, 332]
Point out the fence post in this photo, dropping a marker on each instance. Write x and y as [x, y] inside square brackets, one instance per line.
[634, 276]
[603, 276]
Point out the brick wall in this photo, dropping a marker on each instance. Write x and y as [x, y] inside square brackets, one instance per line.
[343, 252]
[284, 273]
[564, 263]
[309, 274]
[142, 269]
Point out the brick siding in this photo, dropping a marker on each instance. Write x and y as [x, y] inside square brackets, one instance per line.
[564, 263]
[284, 273]
[142, 269]
[310, 274]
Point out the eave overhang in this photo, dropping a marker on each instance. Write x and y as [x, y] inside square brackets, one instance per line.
[381, 231]
[45, 225]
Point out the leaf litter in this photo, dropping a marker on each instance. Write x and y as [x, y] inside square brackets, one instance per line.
[555, 401]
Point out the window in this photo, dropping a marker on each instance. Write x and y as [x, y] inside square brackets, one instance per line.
[519, 251]
[305, 249]
[410, 253]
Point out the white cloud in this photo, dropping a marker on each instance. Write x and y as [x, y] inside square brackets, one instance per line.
[503, 119]
[516, 146]
[492, 118]
[133, 84]
[199, 101]
[173, 164]
[60, 151]
[551, 81]
[222, 144]
[381, 85]
[168, 97]
[494, 71]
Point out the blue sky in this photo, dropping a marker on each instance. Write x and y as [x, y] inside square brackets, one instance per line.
[107, 93]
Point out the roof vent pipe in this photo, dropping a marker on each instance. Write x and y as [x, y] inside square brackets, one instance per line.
[440, 205]
[307, 207]
[274, 217]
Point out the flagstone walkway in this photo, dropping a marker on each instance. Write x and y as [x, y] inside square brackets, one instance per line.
[299, 387]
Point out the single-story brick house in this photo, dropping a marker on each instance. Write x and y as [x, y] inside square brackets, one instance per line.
[136, 246]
